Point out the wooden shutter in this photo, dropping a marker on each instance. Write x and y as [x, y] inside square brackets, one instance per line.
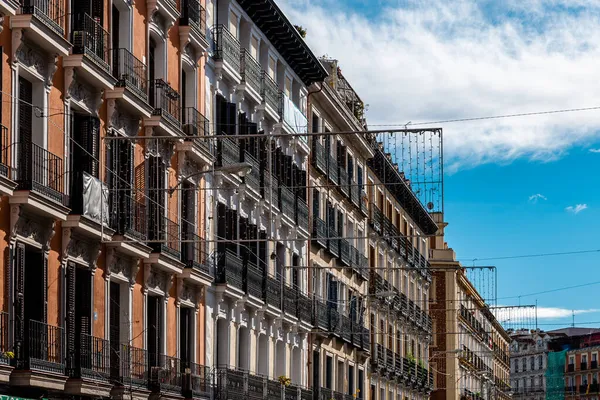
[70, 311]
[86, 146]
[221, 111]
[83, 295]
[231, 118]
[340, 223]
[316, 204]
[19, 295]
[222, 223]
[184, 334]
[350, 168]
[359, 178]
[115, 328]
[25, 110]
[262, 250]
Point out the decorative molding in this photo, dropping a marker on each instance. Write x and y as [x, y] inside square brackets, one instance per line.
[81, 92]
[124, 267]
[187, 168]
[163, 148]
[157, 280]
[122, 121]
[187, 293]
[36, 229]
[77, 249]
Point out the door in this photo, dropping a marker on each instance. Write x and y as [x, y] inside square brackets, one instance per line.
[114, 330]
[154, 330]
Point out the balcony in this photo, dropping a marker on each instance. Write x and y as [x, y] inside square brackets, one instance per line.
[376, 220]
[293, 119]
[286, 202]
[272, 291]
[131, 86]
[5, 328]
[583, 366]
[197, 380]
[131, 216]
[238, 384]
[345, 327]
[269, 92]
[320, 315]
[389, 361]
[230, 269]
[44, 22]
[319, 157]
[42, 350]
[334, 319]
[304, 304]
[333, 244]
[5, 156]
[571, 368]
[345, 252]
[319, 233]
[379, 356]
[355, 193]
[228, 152]
[91, 54]
[290, 297]
[226, 52]
[165, 376]
[88, 200]
[194, 253]
[252, 180]
[40, 172]
[129, 366]
[165, 235]
[167, 105]
[91, 359]
[343, 176]
[328, 394]
[359, 263]
[195, 125]
[269, 188]
[192, 25]
[253, 278]
[364, 203]
[301, 213]
[250, 74]
[332, 170]
[397, 364]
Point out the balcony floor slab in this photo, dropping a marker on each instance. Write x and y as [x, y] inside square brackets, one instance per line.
[128, 246]
[88, 227]
[90, 71]
[39, 33]
[38, 379]
[195, 152]
[165, 263]
[133, 103]
[88, 387]
[7, 186]
[40, 205]
[196, 277]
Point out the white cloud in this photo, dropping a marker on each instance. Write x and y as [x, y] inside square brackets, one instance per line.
[594, 150]
[535, 197]
[576, 209]
[552, 312]
[506, 314]
[443, 60]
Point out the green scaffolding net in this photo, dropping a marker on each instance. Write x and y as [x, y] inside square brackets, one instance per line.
[555, 376]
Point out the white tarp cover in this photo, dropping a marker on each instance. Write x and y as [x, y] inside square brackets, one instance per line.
[95, 199]
[293, 116]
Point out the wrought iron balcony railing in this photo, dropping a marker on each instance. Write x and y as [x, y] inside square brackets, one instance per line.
[345, 251]
[129, 365]
[379, 357]
[333, 244]
[290, 297]
[376, 219]
[253, 279]
[130, 217]
[193, 15]
[195, 124]
[345, 325]
[165, 374]
[319, 158]
[269, 188]
[364, 203]
[91, 359]
[286, 201]
[389, 360]
[272, 291]
[197, 380]
[252, 179]
[130, 73]
[40, 171]
[269, 91]
[194, 251]
[334, 320]
[332, 170]
[4, 331]
[43, 348]
[230, 269]
[226, 47]
[319, 231]
[343, 177]
[92, 40]
[304, 304]
[250, 70]
[301, 213]
[49, 12]
[166, 102]
[165, 236]
[320, 315]
[5, 157]
[355, 193]
[228, 152]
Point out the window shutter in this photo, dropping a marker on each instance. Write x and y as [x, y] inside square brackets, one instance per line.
[359, 178]
[86, 149]
[70, 311]
[340, 223]
[350, 168]
[19, 296]
[25, 110]
[316, 205]
[262, 250]
[222, 223]
[315, 125]
[243, 236]
[221, 109]
[231, 118]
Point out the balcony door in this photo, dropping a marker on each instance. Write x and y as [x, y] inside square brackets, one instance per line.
[79, 310]
[156, 198]
[114, 329]
[185, 337]
[93, 8]
[154, 330]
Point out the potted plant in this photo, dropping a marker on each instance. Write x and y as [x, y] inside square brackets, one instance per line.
[285, 381]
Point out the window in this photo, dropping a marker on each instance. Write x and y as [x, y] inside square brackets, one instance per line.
[254, 47]
[272, 68]
[329, 372]
[287, 88]
[233, 24]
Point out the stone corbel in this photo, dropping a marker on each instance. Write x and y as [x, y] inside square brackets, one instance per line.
[98, 100]
[52, 67]
[110, 259]
[15, 214]
[66, 240]
[49, 234]
[69, 78]
[179, 291]
[239, 95]
[17, 41]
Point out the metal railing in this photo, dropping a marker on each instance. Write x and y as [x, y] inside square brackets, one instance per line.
[169, 233]
[290, 296]
[230, 269]
[194, 252]
[252, 179]
[319, 158]
[166, 102]
[193, 15]
[133, 366]
[301, 213]
[49, 12]
[345, 251]
[4, 152]
[333, 244]
[130, 73]
[286, 200]
[40, 171]
[269, 91]
[166, 375]
[332, 170]
[253, 279]
[91, 359]
[43, 348]
[131, 216]
[343, 175]
[320, 315]
[196, 124]
[197, 380]
[376, 219]
[269, 188]
[92, 40]
[4, 331]
[272, 291]
[228, 152]
[319, 233]
[226, 47]
[250, 70]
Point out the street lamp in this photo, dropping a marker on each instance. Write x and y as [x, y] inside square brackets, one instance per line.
[240, 169]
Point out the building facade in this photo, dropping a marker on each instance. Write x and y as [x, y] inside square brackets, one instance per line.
[470, 348]
[338, 258]
[102, 299]
[400, 276]
[260, 316]
[581, 368]
[528, 363]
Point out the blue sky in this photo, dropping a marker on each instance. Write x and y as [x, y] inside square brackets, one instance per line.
[427, 61]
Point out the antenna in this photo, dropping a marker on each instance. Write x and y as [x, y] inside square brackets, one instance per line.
[573, 315]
